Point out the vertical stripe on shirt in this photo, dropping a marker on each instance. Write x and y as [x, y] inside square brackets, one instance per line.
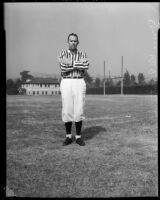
[76, 57]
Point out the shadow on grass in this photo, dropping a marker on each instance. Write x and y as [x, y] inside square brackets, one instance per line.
[90, 132]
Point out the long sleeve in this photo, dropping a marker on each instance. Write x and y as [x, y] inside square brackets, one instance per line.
[82, 62]
[73, 64]
[65, 61]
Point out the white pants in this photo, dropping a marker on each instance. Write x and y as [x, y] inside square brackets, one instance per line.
[73, 99]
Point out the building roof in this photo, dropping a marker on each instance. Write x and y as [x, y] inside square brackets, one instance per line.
[40, 80]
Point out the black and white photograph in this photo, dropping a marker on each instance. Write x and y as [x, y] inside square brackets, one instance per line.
[81, 99]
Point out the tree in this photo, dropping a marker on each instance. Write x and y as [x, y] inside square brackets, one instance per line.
[141, 79]
[109, 82]
[25, 76]
[152, 82]
[88, 79]
[132, 80]
[11, 87]
[22, 91]
[97, 82]
[126, 78]
[18, 82]
[118, 83]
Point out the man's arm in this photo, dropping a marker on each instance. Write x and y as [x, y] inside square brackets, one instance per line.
[65, 62]
[82, 63]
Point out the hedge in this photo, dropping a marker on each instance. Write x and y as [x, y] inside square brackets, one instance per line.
[137, 89]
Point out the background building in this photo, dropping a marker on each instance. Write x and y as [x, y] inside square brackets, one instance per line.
[41, 86]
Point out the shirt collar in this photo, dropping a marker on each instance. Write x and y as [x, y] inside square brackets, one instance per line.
[71, 52]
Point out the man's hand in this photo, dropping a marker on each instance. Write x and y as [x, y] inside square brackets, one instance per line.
[83, 60]
[66, 61]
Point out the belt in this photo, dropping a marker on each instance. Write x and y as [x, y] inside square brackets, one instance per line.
[76, 77]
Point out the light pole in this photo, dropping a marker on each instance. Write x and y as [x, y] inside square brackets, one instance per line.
[104, 80]
[122, 77]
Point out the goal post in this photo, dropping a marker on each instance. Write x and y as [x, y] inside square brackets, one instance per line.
[118, 77]
[122, 77]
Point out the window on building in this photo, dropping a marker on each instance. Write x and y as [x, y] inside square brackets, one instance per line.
[37, 92]
[46, 92]
[33, 92]
[52, 92]
[42, 92]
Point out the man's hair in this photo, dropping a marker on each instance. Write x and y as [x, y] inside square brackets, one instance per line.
[73, 34]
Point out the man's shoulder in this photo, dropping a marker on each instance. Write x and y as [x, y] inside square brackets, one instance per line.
[63, 51]
[81, 52]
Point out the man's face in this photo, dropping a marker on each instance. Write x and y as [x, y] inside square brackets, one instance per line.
[73, 42]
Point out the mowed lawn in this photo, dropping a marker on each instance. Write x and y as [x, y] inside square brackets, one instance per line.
[120, 158]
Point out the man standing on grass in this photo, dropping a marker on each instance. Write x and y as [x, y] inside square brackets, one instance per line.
[73, 64]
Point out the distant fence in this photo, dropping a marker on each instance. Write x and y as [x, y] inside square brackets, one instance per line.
[137, 89]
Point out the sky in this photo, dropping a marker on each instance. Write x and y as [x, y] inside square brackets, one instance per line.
[37, 32]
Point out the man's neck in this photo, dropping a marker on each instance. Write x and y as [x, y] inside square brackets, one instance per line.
[73, 51]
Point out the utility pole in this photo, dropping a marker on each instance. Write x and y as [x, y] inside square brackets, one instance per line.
[109, 79]
[104, 80]
[122, 77]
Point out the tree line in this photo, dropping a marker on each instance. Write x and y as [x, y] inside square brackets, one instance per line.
[128, 80]
[13, 86]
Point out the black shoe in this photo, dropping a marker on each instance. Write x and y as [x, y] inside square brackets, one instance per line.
[80, 142]
[67, 141]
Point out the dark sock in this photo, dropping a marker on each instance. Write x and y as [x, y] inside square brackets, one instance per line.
[68, 126]
[78, 127]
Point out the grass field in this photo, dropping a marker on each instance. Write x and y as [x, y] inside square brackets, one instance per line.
[120, 158]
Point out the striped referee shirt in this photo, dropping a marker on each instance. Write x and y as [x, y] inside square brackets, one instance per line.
[73, 64]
